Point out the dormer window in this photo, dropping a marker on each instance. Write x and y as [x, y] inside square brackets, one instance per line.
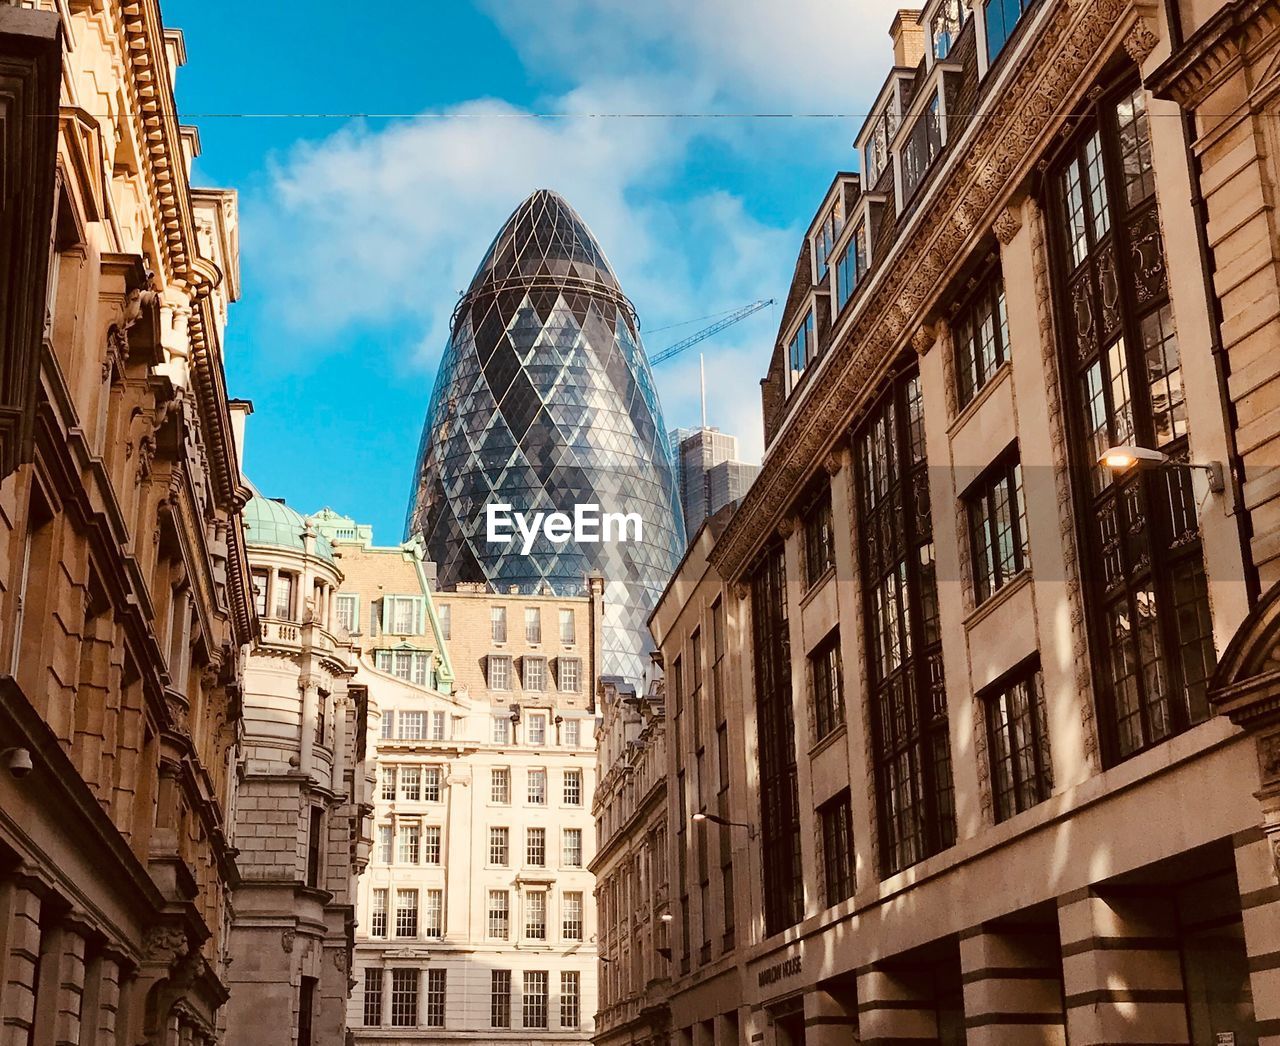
[922, 147]
[945, 27]
[851, 266]
[882, 132]
[1001, 18]
[825, 238]
[802, 349]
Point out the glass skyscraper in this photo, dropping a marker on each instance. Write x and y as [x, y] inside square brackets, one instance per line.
[544, 401]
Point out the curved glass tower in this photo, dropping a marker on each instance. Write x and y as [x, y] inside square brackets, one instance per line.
[544, 401]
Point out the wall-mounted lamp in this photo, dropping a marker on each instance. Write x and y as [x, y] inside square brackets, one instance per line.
[1126, 456]
[666, 917]
[714, 819]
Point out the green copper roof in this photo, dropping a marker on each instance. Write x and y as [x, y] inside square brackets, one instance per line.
[273, 524]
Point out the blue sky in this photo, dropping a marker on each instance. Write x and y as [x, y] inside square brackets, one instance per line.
[358, 234]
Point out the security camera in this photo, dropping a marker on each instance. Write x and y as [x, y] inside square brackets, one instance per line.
[17, 761]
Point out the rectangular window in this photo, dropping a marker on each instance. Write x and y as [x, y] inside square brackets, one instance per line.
[499, 846]
[500, 998]
[535, 999]
[438, 724]
[802, 349]
[836, 817]
[824, 239]
[499, 915]
[912, 748]
[388, 725]
[571, 906]
[1001, 18]
[568, 632]
[433, 913]
[284, 596]
[261, 581]
[431, 844]
[532, 625]
[824, 674]
[413, 726]
[572, 848]
[536, 732]
[945, 27]
[819, 541]
[536, 848]
[373, 996]
[997, 528]
[573, 787]
[411, 783]
[569, 670]
[384, 844]
[436, 980]
[500, 785]
[389, 783]
[406, 913]
[535, 673]
[499, 671]
[378, 913]
[402, 664]
[1018, 745]
[570, 999]
[980, 335]
[501, 730]
[404, 998]
[572, 733]
[445, 613]
[347, 606]
[431, 784]
[922, 147]
[410, 841]
[537, 792]
[535, 915]
[498, 624]
[402, 615]
[882, 132]
[851, 266]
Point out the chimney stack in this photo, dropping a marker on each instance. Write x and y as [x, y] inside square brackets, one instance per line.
[907, 35]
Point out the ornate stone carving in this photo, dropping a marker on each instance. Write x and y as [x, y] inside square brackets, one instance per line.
[287, 938]
[786, 527]
[1141, 40]
[1269, 759]
[923, 339]
[164, 943]
[1008, 224]
[833, 463]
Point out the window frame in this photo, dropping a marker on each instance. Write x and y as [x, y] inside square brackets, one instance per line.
[972, 373]
[825, 666]
[1027, 679]
[992, 570]
[835, 819]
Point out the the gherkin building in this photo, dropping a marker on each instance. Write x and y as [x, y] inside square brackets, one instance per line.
[545, 401]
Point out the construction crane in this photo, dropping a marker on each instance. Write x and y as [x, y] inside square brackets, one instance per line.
[734, 317]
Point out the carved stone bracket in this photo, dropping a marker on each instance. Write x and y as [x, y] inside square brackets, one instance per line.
[1008, 224]
[1141, 39]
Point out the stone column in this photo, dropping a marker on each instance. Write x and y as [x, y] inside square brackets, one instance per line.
[20, 934]
[1012, 986]
[894, 1008]
[1122, 970]
[828, 1021]
[102, 998]
[66, 960]
[1260, 910]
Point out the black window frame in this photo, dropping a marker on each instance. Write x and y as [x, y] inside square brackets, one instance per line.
[835, 818]
[826, 687]
[973, 372]
[992, 568]
[818, 536]
[1019, 695]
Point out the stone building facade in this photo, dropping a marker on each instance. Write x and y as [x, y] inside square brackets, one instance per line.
[476, 915]
[305, 790]
[123, 583]
[979, 669]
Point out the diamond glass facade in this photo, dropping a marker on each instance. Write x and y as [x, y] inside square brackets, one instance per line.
[544, 401]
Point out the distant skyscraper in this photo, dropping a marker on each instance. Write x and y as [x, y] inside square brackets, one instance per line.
[708, 474]
[544, 400]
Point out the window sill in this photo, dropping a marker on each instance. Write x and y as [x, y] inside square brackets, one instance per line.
[829, 740]
[998, 377]
[997, 599]
[819, 583]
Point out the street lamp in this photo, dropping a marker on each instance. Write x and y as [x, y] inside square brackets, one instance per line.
[1126, 456]
[714, 819]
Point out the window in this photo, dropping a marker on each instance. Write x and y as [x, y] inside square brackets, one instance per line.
[537, 791]
[571, 850]
[498, 624]
[945, 27]
[802, 349]
[1018, 745]
[499, 914]
[436, 980]
[499, 671]
[372, 996]
[824, 239]
[438, 723]
[532, 625]
[1001, 18]
[378, 913]
[499, 846]
[535, 999]
[572, 786]
[431, 844]
[824, 673]
[261, 580]
[384, 843]
[980, 336]
[1146, 600]
[411, 783]
[921, 149]
[536, 732]
[571, 907]
[535, 673]
[912, 750]
[433, 913]
[779, 809]
[500, 785]
[535, 915]
[406, 913]
[402, 615]
[445, 613]
[348, 611]
[819, 547]
[569, 670]
[500, 998]
[412, 726]
[404, 998]
[536, 848]
[836, 817]
[882, 132]
[389, 783]
[501, 730]
[851, 266]
[410, 843]
[284, 596]
[388, 725]
[570, 999]
[431, 784]
[997, 528]
[568, 634]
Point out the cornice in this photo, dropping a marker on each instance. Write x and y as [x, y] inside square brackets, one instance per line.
[1214, 52]
[991, 161]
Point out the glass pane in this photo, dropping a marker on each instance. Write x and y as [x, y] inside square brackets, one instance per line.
[1164, 377]
[1135, 147]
